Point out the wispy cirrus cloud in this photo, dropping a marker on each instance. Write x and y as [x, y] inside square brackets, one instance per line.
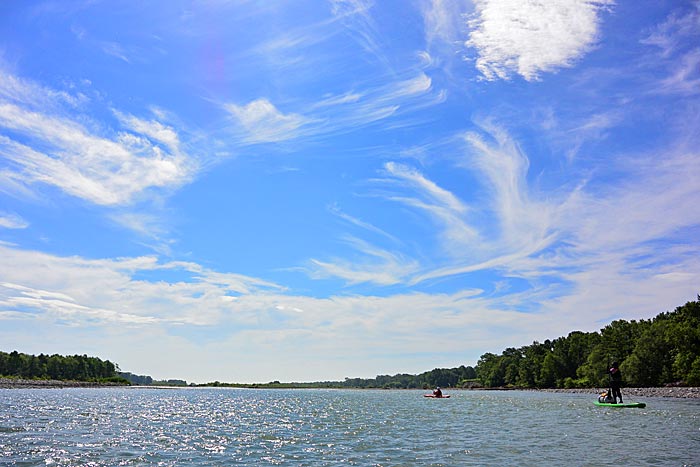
[34, 96]
[531, 38]
[652, 202]
[52, 146]
[685, 77]
[260, 121]
[503, 225]
[331, 101]
[446, 209]
[614, 230]
[355, 16]
[671, 35]
[115, 49]
[443, 21]
[362, 224]
[523, 221]
[376, 266]
[676, 39]
[10, 220]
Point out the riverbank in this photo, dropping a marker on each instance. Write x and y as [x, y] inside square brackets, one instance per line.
[12, 383]
[630, 393]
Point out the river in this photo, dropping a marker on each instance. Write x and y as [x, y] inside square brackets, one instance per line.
[215, 427]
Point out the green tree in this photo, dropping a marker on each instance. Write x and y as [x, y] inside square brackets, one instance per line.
[489, 370]
[651, 361]
[683, 334]
[550, 371]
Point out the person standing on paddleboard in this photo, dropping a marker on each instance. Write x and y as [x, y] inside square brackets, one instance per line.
[615, 382]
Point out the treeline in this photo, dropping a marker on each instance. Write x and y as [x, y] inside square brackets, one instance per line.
[443, 377]
[144, 380]
[58, 367]
[651, 353]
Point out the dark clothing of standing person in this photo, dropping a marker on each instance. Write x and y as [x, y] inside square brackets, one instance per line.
[615, 382]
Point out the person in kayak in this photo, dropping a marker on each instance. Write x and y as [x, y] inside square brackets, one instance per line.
[437, 392]
[615, 382]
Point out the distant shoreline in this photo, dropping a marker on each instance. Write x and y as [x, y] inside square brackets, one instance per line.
[668, 392]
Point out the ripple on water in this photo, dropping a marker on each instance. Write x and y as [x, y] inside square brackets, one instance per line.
[124, 426]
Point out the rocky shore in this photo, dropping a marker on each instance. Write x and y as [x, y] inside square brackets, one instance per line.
[12, 383]
[678, 392]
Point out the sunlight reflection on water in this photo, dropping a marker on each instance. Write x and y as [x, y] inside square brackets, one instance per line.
[128, 426]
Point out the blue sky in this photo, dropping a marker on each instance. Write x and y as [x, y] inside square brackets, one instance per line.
[247, 191]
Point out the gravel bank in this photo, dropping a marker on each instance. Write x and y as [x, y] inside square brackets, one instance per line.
[675, 392]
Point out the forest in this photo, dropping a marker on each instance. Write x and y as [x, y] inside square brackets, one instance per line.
[651, 353]
[661, 351]
[58, 367]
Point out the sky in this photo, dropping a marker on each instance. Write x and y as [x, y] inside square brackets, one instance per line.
[249, 191]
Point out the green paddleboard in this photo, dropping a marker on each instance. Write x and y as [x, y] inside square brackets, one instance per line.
[626, 404]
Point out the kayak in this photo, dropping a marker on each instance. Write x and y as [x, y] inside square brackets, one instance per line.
[640, 405]
[433, 396]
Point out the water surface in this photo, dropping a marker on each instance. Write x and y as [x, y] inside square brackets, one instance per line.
[212, 426]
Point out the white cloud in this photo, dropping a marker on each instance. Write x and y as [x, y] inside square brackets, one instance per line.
[61, 307]
[532, 37]
[574, 238]
[523, 222]
[83, 291]
[511, 224]
[654, 201]
[672, 34]
[54, 149]
[152, 129]
[115, 50]
[449, 212]
[433, 191]
[676, 39]
[442, 20]
[61, 294]
[263, 123]
[382, 267]
[415, 86]
[347, 98]
[260, 121]
[12, 221]
[364, 225]
[685, 77]
[341, 8]
[355, 16]
[377, 266]
[34, 96]
[238, 312]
